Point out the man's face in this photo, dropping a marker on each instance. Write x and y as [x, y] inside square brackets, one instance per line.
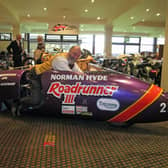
[74, 54]
[18, 37]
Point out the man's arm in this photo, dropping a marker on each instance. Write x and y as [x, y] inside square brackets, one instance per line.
[76, 68]
[60, 64]
[9, 48]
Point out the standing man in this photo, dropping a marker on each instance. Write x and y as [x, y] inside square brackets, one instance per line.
[15, 48]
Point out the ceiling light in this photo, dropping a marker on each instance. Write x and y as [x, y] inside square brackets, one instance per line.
[143, 20]
[64, 17]
[98, 18]
[147, 10]
[157, 14]
[86, 10]
[28, 15]
[92, 1]
[44, 9]
[131, 17]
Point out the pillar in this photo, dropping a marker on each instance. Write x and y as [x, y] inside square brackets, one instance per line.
[108, 41]
[164, 78]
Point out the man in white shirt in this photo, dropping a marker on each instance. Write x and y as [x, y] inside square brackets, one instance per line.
[60, 62]
[67, 62]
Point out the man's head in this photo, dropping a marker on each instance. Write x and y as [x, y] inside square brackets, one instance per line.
[74, 53]
[18, 37]
[39, 39]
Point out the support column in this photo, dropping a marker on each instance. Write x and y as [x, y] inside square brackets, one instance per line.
[108, 41]
[164, 78]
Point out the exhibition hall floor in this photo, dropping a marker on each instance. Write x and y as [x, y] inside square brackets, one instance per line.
[40, 140]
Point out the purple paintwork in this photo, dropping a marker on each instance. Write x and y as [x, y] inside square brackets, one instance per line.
[12, 80]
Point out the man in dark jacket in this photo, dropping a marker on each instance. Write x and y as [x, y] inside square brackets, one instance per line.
[15, 48]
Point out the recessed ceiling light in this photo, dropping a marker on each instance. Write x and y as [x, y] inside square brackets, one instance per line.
[28, 15]
[147, 10]
[44, 9]
[98, 18]
[92, 1]
[64, 17]
[86, 10]
[131, 17]
[157, 14]
[143, 20]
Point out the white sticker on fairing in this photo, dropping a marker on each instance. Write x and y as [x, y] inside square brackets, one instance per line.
[68, 109]
[8, 84]
[8, 74]
[108, 104]
[80, 109]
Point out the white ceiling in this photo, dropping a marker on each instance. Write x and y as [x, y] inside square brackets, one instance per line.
[111, 12]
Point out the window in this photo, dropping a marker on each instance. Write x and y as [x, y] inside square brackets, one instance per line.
[117, 50]
[132, 49]
[134, 40]
[99, 44]
[147, 44]
[70, 38]
[117, 39]
[86, 41]
[160, 41]
[33, 37]
[52, 37]
[5, 36]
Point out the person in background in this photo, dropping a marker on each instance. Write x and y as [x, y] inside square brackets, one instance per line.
[40, 50]
[15, 48]
[40, 43]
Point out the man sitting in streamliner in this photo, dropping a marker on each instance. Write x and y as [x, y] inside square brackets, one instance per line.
[60, 62]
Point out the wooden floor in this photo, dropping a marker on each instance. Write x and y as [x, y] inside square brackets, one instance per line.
[36, 140]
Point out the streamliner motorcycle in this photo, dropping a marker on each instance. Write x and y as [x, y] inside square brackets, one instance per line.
[100, 93]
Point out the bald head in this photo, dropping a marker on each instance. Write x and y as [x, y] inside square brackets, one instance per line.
[74, 53]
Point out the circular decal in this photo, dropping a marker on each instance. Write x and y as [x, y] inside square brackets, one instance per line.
[108, 104]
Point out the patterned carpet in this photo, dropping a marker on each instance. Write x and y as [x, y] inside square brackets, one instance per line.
[37, 140]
